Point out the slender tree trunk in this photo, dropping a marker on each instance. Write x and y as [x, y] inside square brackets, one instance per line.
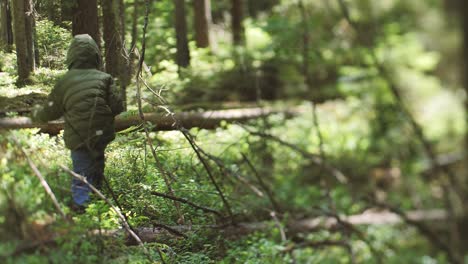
[21, 40]
[29, 25]
[66, 10]
[183, 52]
[237, 16]
[10, 39]
[134, 37]
[125, 63]
[111, 34]
[202, 22]
[85, 19]
[6, 33]
[113, 39]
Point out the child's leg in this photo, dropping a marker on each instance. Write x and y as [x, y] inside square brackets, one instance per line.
[98, 168]
[83, 165]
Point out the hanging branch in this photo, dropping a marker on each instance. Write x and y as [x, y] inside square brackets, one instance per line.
[41, 179]
[422, 228]
[139, 76]
[198, 151]
[262, 184]
[340, 177]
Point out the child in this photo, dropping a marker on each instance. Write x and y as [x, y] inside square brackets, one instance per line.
[88, 100]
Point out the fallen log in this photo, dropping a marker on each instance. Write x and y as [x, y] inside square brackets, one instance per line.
[149, 234]
[161, 122]
[159, 234]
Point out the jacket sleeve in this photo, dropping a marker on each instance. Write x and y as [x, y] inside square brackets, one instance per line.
[114, 99]
[52, 108]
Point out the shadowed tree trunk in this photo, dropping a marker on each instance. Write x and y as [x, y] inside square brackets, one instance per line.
[66, 10]
[21, 40]
[112, 36]
[6, 32]
[237, 16]
[202, 22]
[183, 52]
[85, 19]
[113, 41]
[125, 63]
[29, 30]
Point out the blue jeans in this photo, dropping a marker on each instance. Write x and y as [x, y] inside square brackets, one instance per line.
[90, 164]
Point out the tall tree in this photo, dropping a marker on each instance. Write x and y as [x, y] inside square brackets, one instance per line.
[24, 61]
[464, 23]
[237, 17]
[66, 10]
[112, 36]
[202, 22]
[30, 32]
[113, 41]
[183, 52]
[85, 19]
[6, 32]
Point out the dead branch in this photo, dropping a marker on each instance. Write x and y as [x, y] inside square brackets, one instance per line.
[262, 184]
[117, 211]
[161, 121]
[185, 201]
[316, 159]
[423, 228]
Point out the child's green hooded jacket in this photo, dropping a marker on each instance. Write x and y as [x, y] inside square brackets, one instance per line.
[86, 98]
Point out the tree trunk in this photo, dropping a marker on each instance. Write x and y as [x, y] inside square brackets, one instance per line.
[66, 10]
[183, 52]
[202, 22]
[6, 32]
[112, 35]
[206, 120]
[85, 19]
[113, 41]
[24, 61]
[29, 25]
[237, 16]
[134, 34]
[124, 64]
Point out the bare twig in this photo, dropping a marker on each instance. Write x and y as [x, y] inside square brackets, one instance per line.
[262, 184]
[185, 201]
[279, 226]
[422, 228]
[160, 166]
[100, 195]
[313, 157]
[41, 179]
[198, 151]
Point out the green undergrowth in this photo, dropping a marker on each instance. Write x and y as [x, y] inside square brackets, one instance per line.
[133, 175]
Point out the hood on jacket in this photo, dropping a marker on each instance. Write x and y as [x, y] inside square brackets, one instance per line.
[83, 53]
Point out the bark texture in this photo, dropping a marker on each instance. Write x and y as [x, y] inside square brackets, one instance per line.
[24, 61]
[162, 122]
[183, 52]
[6, 32]
[85, 19]
[113, 42]
[237, 16]
[202, 22]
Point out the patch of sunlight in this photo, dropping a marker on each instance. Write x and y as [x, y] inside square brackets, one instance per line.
[257, 38]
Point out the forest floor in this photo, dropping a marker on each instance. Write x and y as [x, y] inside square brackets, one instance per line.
[312, 222]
